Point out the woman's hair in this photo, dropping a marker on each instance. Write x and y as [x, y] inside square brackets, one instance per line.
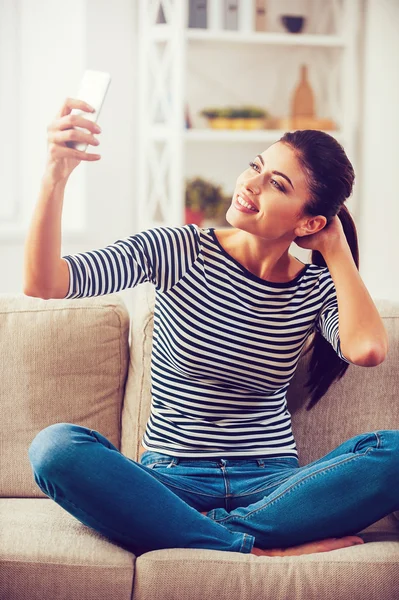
[329, 175]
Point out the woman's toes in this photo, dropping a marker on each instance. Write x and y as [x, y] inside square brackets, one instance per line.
[355, 539]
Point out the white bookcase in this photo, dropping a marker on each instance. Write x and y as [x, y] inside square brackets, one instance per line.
[166, 62]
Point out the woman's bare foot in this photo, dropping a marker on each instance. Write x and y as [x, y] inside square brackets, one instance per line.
[325, 545]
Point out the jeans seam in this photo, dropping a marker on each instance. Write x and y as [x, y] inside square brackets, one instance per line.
[257, 491]
[246, 540]
[199, 493]
[293, 485]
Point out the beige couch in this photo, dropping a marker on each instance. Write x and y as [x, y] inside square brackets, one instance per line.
[83, 361]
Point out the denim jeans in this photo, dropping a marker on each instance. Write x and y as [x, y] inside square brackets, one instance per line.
[263, 502]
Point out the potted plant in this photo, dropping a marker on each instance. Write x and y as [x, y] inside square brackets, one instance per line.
[203, 200]
[245, 117]
[218, 118]
[248, 117]
[215, 214]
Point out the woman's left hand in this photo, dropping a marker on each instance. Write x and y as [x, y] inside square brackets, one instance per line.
[329, 236]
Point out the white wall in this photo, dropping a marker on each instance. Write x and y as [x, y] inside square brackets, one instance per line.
[379, 241]
[60, 41]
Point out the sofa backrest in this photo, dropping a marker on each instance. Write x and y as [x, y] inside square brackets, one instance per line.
[62, 361]
[77, 361]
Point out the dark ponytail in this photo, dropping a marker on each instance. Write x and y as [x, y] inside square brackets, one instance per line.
[330, 177]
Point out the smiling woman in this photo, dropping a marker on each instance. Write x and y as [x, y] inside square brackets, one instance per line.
[290, 191]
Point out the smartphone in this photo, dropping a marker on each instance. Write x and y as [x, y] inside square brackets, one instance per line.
[93, 89]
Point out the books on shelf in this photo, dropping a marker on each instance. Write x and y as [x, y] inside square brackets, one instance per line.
[230, 14]
[197, 14]
[260, 15]
[233, 15]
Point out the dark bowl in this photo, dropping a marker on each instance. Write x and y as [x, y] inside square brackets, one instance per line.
[293, 24]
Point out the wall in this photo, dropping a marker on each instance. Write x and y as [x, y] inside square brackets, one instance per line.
[86, 35]
[379, 242]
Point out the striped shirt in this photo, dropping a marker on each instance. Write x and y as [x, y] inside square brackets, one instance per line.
[226, 343]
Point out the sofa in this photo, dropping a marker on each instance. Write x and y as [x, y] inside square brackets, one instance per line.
[87, 361]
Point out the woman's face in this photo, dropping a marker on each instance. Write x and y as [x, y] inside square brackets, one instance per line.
[278, 197]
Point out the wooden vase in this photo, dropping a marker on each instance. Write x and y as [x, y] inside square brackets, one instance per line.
[303, 98]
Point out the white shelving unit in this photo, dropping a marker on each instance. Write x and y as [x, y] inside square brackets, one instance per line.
[164, 141]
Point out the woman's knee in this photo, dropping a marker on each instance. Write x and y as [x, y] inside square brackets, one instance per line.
[388, 444]
[48, 447]
[389, 439]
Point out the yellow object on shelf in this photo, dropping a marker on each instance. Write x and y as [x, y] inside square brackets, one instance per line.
[222, 123]
[247, 123]
[219, 123]
[287, 123]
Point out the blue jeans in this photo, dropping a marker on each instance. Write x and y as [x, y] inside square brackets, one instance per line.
[267, 502]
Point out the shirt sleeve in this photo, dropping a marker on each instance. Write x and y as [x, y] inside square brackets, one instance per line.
[160, 255]
[327, 321]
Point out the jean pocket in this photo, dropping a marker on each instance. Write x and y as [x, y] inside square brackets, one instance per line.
[149, 459]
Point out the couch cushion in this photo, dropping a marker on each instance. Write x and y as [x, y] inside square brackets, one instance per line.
[62, 361]
[46, 553]
[364, 572]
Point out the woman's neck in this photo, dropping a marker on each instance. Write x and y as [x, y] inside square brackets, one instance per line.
[249, 251]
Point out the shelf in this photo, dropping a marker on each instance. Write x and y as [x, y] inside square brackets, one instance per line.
[162, 132]
[176, 61]
[162, 33]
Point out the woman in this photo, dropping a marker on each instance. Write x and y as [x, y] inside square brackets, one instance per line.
[233, 312]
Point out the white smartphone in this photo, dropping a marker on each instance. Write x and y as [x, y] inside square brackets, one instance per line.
[93, 89]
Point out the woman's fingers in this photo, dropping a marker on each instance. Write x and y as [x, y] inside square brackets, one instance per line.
[68, 128]
[57, 136]
[70, 104]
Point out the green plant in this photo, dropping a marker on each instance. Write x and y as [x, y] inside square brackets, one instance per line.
[225, 113]
[251, 112]
[243, 112]
[202, 195]
[210, 113]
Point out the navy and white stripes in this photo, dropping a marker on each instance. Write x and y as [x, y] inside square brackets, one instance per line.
[225, 344]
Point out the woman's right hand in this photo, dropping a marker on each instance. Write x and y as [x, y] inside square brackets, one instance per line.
[61, 159]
